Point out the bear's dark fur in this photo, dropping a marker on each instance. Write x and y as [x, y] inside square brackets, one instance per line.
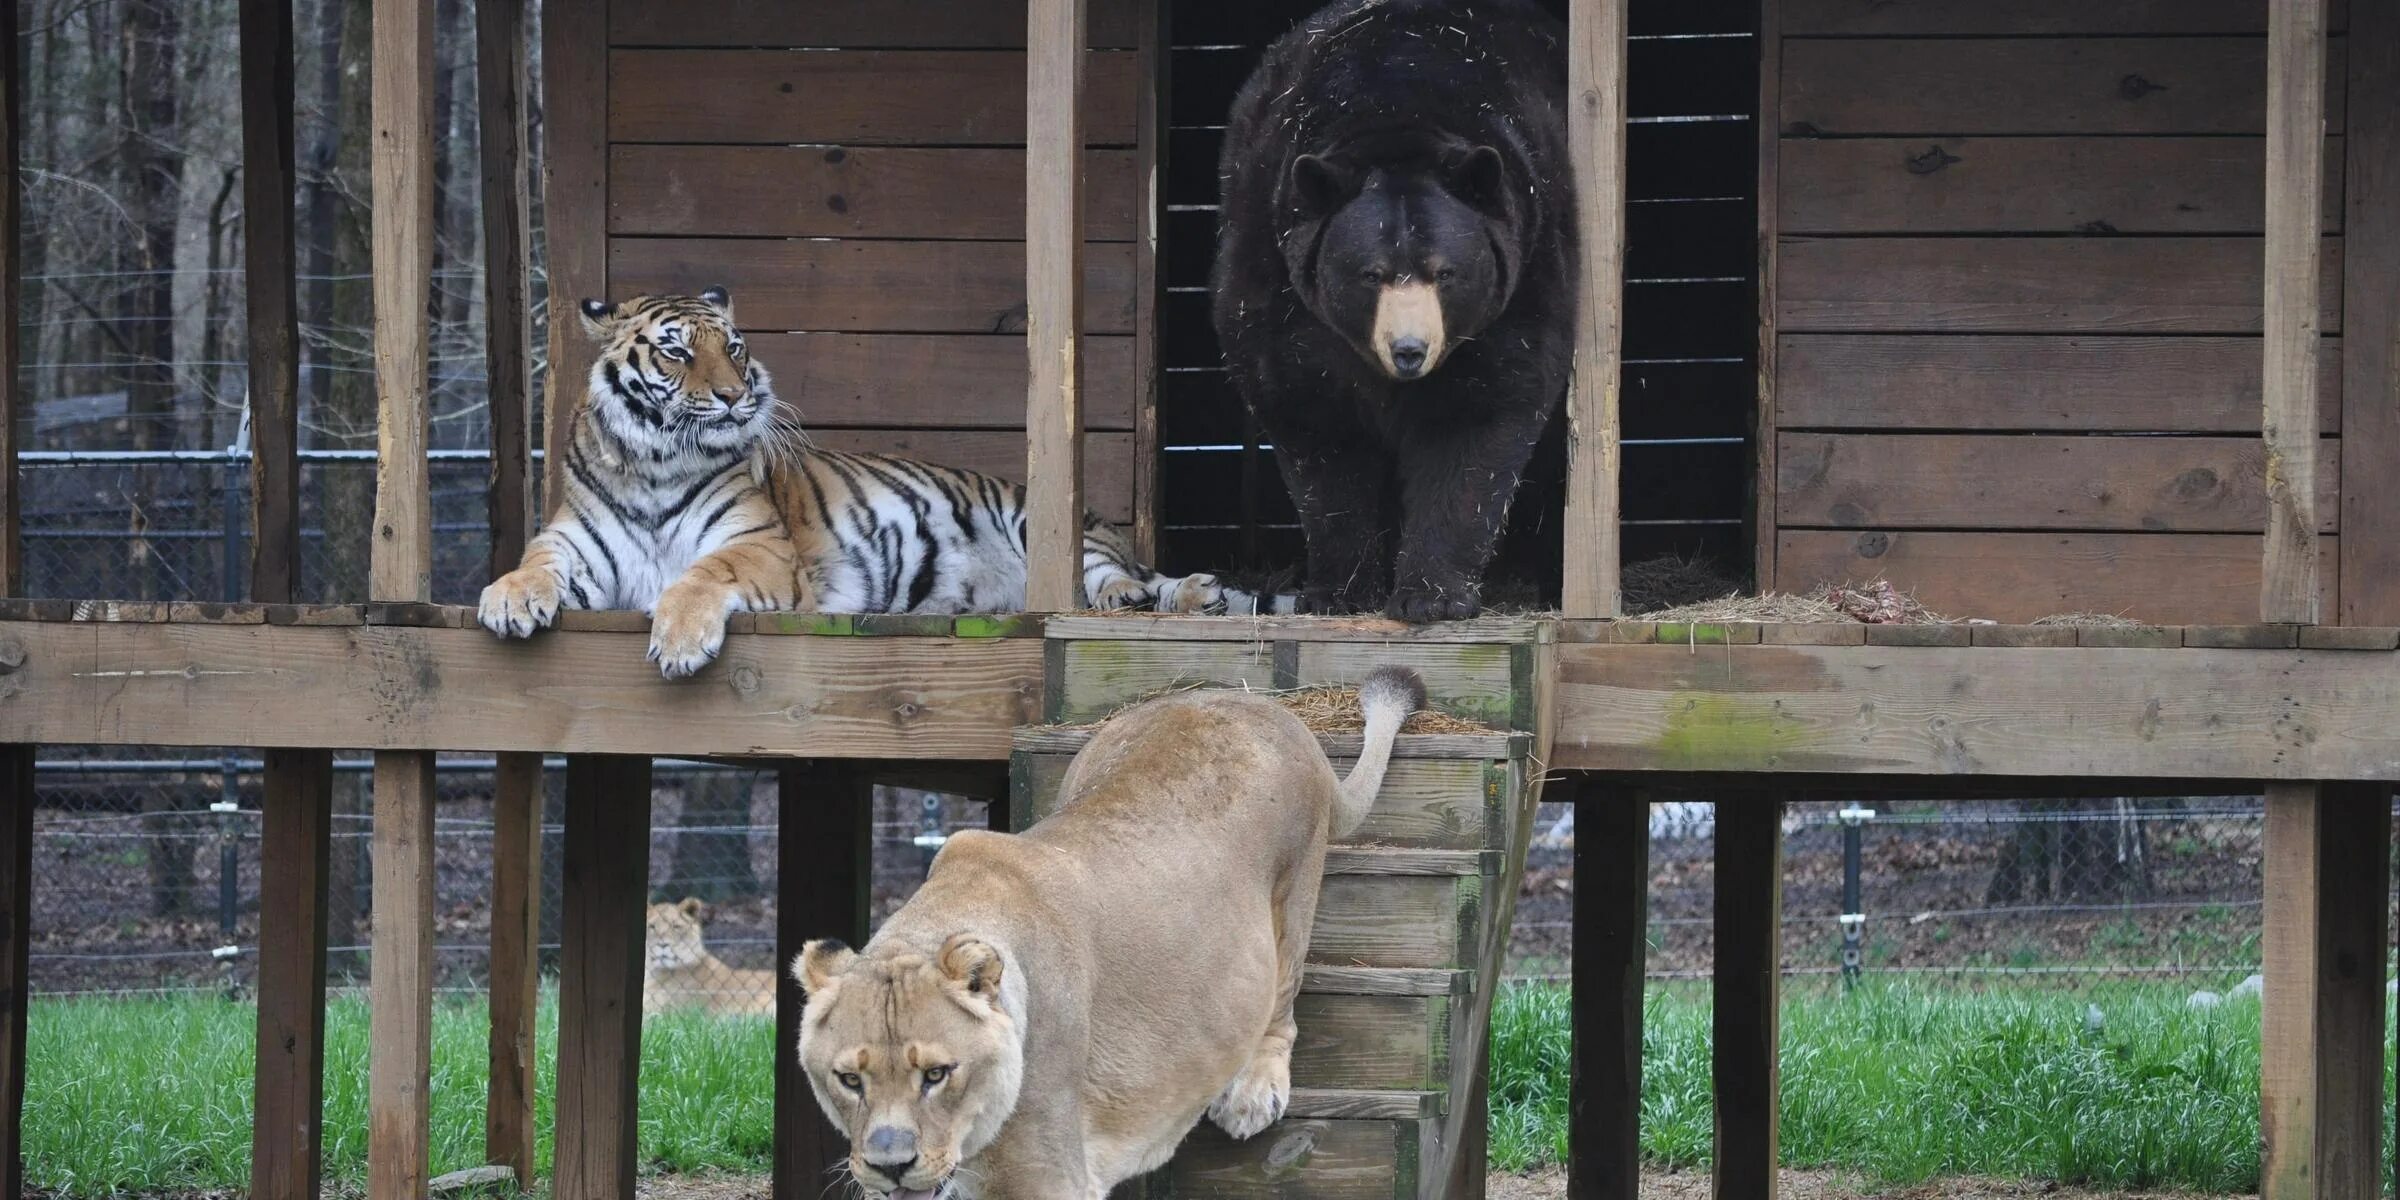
[1394, 284]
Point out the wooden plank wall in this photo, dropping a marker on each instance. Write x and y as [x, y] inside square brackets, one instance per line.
[855, 173]
[2017, 311]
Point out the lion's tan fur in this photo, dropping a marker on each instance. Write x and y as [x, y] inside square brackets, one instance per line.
[1148, 941]
[680, 973]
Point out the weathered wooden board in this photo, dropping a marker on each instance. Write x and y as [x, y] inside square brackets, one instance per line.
[1052, 522]
[2083, 384]
[934, 381]
[2027, 18]
[1429, 803]
[1476, 681]
[1141, 626]
[783, 97]
[400, 973]
[841, 191]
[2370, 586]
[1604, 1090]
[2179, 578]
[1882, 710]
[1598, 91]
[1340, 747]
[1966, 481]
[381, 687]
[1107, 457]
[2030, 285]
[1394, 921]
[1745, 1016]
[2296, 280]
[2032, 185]
[927, 24]
[1300, 1160]
[1929, 86]
[1387, 1042]
[287, 1133]
[606, 863]
[574, 207]
[866, 286]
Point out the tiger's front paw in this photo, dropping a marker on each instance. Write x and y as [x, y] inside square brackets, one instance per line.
[1191, 594]
[1124, 591]
[687, 629]
[518, 603]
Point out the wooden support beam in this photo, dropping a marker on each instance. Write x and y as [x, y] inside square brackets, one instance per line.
[16, 941]
[1765, 422]
[1749, 922]
[824, 851]
[2370, 583]
[1612, 907]
[270, 284]
[574, 207]
[295, 843]
[1152, 53]
[1054, 41]
[2328, 864]
[1596, 157]
[607, 866]
[400, 979]
[516, 971]
[2295, 183]
[12, 123]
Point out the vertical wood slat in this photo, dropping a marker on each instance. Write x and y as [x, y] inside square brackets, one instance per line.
[509, 1132]
[295, 845]
[2288, 1022]
[2295, 182]
[1749, 926]
[1054, 304]
[1596, 155]
[270, 284]
[1149, 153]
[606, 875]
[400, 978]
[2355, 871]
[16, 942]
[1604, 1105]
[824, 846]
[1770, 165]
[2370, 560]
[574, 207]
[12, 121]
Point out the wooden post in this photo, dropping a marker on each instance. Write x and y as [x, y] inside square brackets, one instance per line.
[824, 847]
[1054, 41]
[1770, 234]
[12, 121]
[400, 979]
[1596, 156]
[575, 208]
[274, 329]
[1150, 167]
[16, 940]
[607, 871]
[400, 1045]
[295, 844]
[1748, 984]
[508, 1125]
[2295, 183]
[2321, 1066]
[2370, 585]
[1612, 916]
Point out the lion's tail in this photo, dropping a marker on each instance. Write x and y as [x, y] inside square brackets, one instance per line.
[1387, 697]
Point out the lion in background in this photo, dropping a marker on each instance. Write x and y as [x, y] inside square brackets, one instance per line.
[680, 973]
[1054, 1010]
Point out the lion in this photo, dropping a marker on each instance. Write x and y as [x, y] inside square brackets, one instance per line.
[680, 973]
[1054, 1010]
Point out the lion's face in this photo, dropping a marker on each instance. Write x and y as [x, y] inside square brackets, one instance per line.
[916, 1059]
[674, 935]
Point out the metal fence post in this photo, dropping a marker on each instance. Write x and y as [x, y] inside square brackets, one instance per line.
[1853, 916]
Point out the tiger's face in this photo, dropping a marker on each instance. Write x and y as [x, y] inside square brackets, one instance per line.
[674, 373]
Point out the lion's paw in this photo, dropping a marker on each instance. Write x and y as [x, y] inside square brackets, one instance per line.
[1190, 594]
[518, 603]
[686, 631]
[1256, 1098]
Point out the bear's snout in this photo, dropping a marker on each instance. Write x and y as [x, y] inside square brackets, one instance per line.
[1407, 337]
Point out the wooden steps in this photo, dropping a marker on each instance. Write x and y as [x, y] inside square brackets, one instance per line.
[1391, 1013]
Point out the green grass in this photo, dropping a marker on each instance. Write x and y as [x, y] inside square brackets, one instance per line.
[1902, 1085]
[1893, 1083]
[154, 1095]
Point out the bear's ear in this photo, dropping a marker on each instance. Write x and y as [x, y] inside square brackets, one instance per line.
[1319, 185]
[821, 962]
[1481, 179]
[598, 316]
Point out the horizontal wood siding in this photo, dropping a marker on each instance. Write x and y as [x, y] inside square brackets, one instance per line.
[854, 172]
[2003, 228]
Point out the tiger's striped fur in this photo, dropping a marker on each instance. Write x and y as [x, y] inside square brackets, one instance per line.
[691, 494]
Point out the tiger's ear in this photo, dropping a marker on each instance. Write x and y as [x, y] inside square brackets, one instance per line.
[599, 316]
[718, 298]
[821, 962]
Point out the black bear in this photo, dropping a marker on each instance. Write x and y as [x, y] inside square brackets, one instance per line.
[1394, 284]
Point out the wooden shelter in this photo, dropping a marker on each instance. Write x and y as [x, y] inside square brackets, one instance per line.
[861, 191]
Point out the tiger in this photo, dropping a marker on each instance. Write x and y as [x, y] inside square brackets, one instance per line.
[692, 493]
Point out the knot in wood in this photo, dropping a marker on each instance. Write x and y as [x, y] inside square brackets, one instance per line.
[12, 654]
[2134, 87]
[1933, 159]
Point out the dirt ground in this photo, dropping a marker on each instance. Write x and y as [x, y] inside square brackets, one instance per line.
[1552, 1185]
